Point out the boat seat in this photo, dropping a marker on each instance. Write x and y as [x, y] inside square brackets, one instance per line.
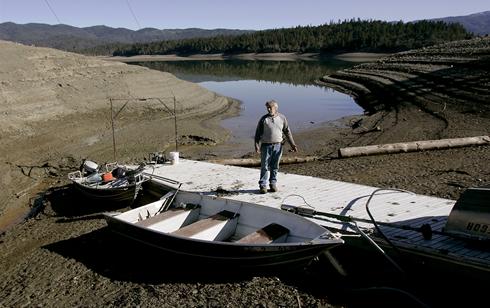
[272, 233]
[217, 227]
[170, 220]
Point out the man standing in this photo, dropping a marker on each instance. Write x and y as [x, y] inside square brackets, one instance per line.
[268, 142]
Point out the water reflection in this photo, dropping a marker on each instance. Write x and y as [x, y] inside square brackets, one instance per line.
[290, 72]
[291, 83]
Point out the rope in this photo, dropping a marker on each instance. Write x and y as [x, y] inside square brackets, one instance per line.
[408, 295]
[372, 242]
[378, 229]
[296, 195]
[350, 219]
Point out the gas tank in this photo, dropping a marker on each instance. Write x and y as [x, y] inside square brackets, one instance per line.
[470, 216]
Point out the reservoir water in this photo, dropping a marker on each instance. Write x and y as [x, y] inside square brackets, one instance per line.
[291, 83]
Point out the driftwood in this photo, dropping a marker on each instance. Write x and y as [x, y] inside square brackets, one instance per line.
[413, 146]
[254, 162]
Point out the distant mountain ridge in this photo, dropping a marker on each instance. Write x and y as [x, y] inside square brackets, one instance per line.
[71, 38]
[75, 39]
[478, 23]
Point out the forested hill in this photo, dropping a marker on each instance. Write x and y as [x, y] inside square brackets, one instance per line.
[75, 39]
[353, 35]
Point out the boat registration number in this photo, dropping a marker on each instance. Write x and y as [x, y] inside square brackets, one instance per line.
[477, 227]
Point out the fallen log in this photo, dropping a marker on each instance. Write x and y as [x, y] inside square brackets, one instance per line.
[255, 162]
[413, 146]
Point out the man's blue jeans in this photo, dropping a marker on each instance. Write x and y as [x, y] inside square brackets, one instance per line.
[270, 155]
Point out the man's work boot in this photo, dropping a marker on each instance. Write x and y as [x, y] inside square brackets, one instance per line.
[263, 189]
[273, 187]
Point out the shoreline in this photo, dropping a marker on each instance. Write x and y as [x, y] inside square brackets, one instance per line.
[208, 124]
[348, 57]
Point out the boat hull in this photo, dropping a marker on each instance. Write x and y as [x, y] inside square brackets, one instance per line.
[242, 256]
[302, 241]
[109, 195]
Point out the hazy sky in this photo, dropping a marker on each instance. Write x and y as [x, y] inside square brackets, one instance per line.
[231, 14]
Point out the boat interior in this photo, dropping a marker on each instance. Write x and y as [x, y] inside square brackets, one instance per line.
[111, 175]
[201, 217]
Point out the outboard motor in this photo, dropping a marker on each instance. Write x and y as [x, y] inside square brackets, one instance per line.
[470, 216]
[88, 167]
[157, 158]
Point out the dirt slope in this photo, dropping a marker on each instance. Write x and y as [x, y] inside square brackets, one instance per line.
[55, 106]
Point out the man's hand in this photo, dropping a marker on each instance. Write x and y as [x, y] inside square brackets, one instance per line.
[257, 150]
[294, 148]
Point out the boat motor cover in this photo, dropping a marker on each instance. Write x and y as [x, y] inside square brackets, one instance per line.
[90, 166]
[470, 216]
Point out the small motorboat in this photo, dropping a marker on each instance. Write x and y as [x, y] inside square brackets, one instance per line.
[110, 183]
[225, 231]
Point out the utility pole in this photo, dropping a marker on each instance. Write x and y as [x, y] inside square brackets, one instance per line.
[113, 133]
[175, 122]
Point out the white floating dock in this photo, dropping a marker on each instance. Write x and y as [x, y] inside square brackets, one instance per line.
[397, 211]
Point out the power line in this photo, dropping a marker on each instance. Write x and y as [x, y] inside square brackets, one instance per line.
[52, 11]
[132, 13]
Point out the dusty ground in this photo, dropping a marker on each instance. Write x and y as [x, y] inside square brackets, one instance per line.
[56, 107]
[55, 110]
